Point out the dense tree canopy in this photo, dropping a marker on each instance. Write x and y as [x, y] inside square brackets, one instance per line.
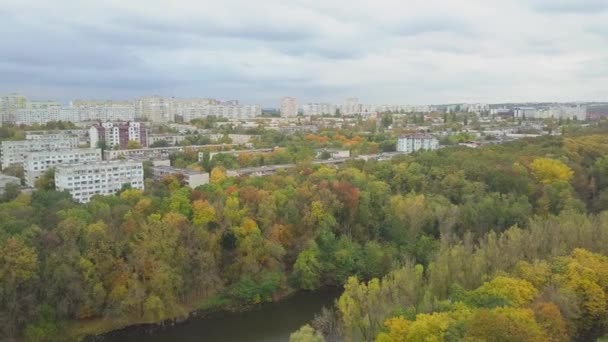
[490, 230]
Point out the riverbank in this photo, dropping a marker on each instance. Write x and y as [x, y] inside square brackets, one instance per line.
[96, 329]
[99, 330]
[269, 322]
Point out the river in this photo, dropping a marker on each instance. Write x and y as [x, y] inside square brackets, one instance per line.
[272, 322]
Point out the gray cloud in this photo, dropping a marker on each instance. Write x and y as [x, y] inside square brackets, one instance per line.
[576, 6]
[387, 51]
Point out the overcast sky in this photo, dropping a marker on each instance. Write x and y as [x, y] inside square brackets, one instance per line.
[382, 51]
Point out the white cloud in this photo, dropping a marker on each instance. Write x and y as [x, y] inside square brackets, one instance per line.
[430, 51]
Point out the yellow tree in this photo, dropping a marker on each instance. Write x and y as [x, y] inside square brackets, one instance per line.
[133, 145]
[515, 292]
[548, 171]
[203, 212]
[504, 324]
[217, 175]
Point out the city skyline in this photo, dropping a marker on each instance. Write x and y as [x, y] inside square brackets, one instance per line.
[423, 53]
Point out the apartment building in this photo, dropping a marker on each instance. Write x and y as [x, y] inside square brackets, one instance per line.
[37, 163]
[155, 108]
[118, 134]
[230, 111]
[318, 109]
[85, 180]
[104, 110]
[415, 142]
[169, 139]
[15, 152]
[155, 152]
[526, 113]
[351, 106]
[82, 134]
[289, 107]
[9, 104]
[569, 112]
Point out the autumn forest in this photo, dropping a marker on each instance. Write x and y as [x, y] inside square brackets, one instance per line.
[457, 244]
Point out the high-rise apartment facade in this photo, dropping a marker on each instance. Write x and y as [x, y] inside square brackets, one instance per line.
[37, 163]
[289, 107]
[414, 142]
[15, 152]
[85, 180]
[118, 134]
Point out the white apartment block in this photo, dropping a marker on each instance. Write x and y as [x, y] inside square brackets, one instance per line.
[85, 180]
[15, 152]
[37, 163]
[318, 109]
[568, 112]
[31, 116]
[351, 106]
[414, 142]
[230, 111]
[289, 107]
[526, 113]
[82, 134]
[42, 115]
[105, 111]
[11, 103]
[155, 109]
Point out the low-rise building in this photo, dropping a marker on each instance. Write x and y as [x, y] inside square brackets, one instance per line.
[413, 142]
[333, 154]
[85, 180]
[190, 178]
[170, 139]
[82, 134]
[37, 163]
[5, 180]
[235, 138]
[154, 152]
[15, 152]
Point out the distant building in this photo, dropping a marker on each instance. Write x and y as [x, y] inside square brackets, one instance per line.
[37, 163]
[155, 109]
[597, 112]
[230, 110]
[568, 112]
[169, 139]
[351, 106]
[333, 153]
[15, 152]
[120, 134]
[9, 104]
[85, 180]
[154, 152]
[525, 113]
[235, 138]
[104, 110]
[190, 177]
[82, 134]
[414, 142]
[317, 109]
[289, 107]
